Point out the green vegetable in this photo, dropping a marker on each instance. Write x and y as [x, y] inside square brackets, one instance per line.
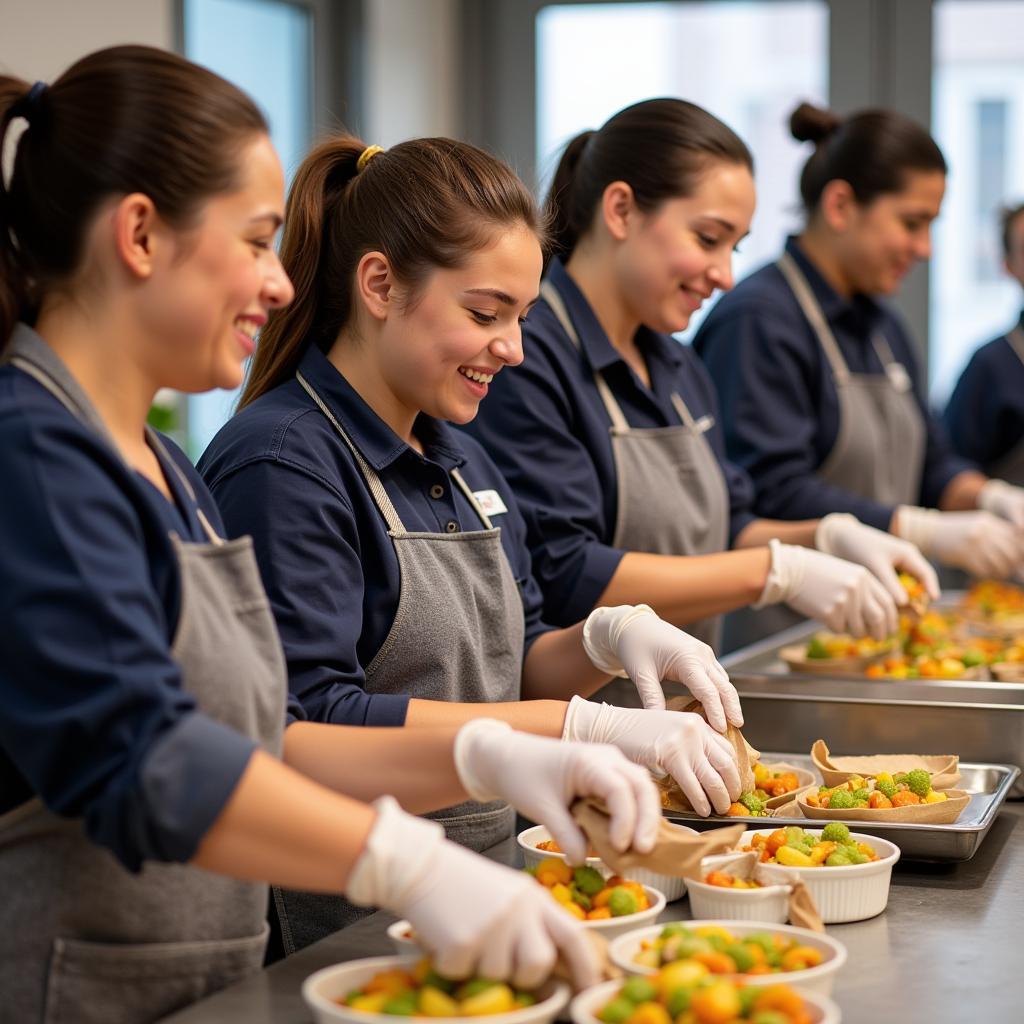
[794, 834]
[679, 1001]
[446, 985]
[525, 998]
[899, 777]
[817, 649]
[748, 994]
[531, 869]
[618, 1011]
[856, 857]
[861, 796]
[404, 1004]
[762, 939]
[752, 804]
[622, 902]
[581, 899]
[474, 987]
[841, 800]
[639, 990]
[886, 788]
[742, 956]
[919, 782]
[674, 929]
[588, 880]
[835, 832]
[838, 859]
[769, 1017]
[717, 943]
[972, 657]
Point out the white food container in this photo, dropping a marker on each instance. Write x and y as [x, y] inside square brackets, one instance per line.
[674, 888]
[818, 979]
[320, 991]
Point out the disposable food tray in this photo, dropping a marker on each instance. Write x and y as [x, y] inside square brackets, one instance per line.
[988, 784]
[981, 721]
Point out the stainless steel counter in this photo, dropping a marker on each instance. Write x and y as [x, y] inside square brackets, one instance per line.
[948, 948]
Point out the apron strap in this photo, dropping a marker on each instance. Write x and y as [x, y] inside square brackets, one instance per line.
[211, 534]
[894, 369]
[1016, 339]
[550, 295]
[815, 317]
[471, 498]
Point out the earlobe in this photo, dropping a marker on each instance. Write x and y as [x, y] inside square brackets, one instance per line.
[375, 284]
[134, 225]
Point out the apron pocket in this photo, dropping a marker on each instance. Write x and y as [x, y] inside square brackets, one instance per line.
[127, 983]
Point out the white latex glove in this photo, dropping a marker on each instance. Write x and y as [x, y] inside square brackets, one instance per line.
[472, 914]
[541, 777]
[846, 597]
[1003, 500]
[665, 743]
[844, 536]
[631, 641]
[979, 542]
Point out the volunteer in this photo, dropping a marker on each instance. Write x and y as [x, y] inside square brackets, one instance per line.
[985, 414]
[609, 432]
[142, 682]
[820, 392]
[399, 599]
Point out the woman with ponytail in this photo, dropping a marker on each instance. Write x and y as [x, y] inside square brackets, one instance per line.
[824, 404]
[148, 785]
[392, 549]
[609, 433]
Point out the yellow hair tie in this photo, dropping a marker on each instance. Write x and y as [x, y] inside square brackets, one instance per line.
[366, 156]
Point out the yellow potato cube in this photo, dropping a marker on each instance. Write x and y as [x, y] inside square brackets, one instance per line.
[372, 1003]
[496, 999]
[561, 893]
[791, 858]
[435, 1003]
[935, 798]
[649, 1013]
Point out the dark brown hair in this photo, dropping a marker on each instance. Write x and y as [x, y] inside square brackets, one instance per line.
[660, 148]
[872, 150]
[122, 120]
[1007, 216]
[425, 204]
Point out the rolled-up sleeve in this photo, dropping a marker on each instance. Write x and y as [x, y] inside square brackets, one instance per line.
[95, 718]
[306, 542]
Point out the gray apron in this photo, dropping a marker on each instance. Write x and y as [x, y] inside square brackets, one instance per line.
[1010, 466]
[879, 449]
[458, 635]
[86, 941]
[671, 495]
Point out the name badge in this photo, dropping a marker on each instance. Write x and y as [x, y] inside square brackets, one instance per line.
[490, 503]
[898, 377]
[704, 424]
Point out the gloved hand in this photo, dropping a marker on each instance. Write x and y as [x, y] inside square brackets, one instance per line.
[1003, 500]
[472, 914]
[631, 641]
[541, 777]
[979, 542]
[846, 597]
[665, 743]
[844, 536]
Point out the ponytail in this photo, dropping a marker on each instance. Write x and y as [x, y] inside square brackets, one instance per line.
[563, 234]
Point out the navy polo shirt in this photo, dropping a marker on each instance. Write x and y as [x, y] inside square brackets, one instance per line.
[280, 472]
[778, 399]
[94, 719]
[985, 414]
[545, 425]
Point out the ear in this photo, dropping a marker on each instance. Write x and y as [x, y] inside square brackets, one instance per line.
[375, 284]
[838, 205]
[618, 207]
[135, 222]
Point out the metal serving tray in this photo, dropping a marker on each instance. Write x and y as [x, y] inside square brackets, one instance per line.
[982, 722]
[988, 784]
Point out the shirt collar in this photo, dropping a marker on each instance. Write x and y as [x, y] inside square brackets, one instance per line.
[600, 353]
[378, 444]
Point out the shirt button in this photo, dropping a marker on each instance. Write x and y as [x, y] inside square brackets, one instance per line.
[452, 527]
[437, 491]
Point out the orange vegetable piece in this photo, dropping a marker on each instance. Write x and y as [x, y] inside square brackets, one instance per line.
[905, 798]
[779, 997]
[799, 958]
[788, 781]
[775, 840]
[599, 914]
[879, 800]
[719, 1003]
[719, 878]
[717, 963]
[737, 810]
[392, 982]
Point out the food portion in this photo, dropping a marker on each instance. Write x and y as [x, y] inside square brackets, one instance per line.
[881, 793]
[586, 894]
[794, 847]
[687, 992]
[723, 880]
[551, 846]
[994, 601]
[770, 783]
[422, 992]
[841, 646]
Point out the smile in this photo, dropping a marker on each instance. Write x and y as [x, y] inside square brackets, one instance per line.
[480, 378]
[248, 326]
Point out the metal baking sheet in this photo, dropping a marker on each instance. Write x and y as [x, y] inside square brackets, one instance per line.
[988, 784]
[982, 722]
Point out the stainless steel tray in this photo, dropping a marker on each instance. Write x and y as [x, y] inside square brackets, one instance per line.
[988, 784]
[983, 722]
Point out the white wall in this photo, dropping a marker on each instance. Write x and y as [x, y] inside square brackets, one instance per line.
[40, 38]
[412, 59]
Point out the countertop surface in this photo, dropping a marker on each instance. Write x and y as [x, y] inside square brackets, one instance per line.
[947, 949]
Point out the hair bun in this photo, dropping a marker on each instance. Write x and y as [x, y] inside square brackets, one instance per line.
[809, 123]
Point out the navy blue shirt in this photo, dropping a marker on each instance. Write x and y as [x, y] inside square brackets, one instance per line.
[985, 414]
[778, 399]
[94, 719]
[544, 424]
[280, 472]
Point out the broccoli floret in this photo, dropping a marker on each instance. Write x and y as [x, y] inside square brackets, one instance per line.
[816, 648]
[861, 796]
[838, 859]
[679, 1000]
[841, 800]
[794, 834]
[741, 956]
[404, 1004]
[748, 995]
[618, 1011]
[856, 857]
[770, 1017]
[622, 902]
[972, 657]
[752, 804]
[675, 928]
[835, 832]
[899, 777]
[919, 782]
[886, 787]
[588, 880]
[639, 990]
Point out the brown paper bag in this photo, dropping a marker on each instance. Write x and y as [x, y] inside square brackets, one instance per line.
[608, 970]
[677, 852]
[672, 796]
[943, 768]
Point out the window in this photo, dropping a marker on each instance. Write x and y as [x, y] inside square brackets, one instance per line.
[978, 120]
[265, 48]
[749, 63]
